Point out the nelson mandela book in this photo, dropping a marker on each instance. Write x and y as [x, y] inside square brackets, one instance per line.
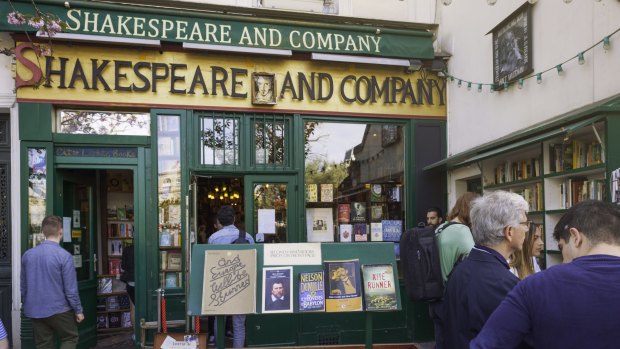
[311, 291]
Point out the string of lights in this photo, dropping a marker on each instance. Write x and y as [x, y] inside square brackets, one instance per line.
[580, 57]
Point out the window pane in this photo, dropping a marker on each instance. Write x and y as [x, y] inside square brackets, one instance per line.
[270, 211]
[269, 136]
[37, 189]
[354, 175]
[220, 140]
[103, 123]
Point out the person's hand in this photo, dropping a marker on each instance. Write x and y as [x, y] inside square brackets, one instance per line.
[79, 317]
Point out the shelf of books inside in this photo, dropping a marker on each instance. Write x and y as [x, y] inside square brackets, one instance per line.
[523, 165]
[113, 307]
[170, 257]
[371, 212]
[582, 148]
[562, 192]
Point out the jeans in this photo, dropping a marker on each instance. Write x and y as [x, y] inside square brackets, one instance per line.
[62, 324]
[434, 309]
[238, 323]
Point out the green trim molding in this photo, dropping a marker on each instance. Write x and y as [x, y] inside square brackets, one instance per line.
[176, 25]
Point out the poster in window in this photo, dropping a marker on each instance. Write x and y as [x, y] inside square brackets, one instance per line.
[327, 192]
[320, 224]
[512, 46]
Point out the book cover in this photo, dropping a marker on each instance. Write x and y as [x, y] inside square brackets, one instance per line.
[343, 289]
[376, 213]
[229, 282]
[121, 213]
[312, 194]
[376, 232]
[164, 259]
[327, 192]
[379, 288]
[344, 213]
[394, 194]
[174, 261]
[392, 229]
[105, 285]
[114, 266]
[123, 302]
[101, 304]
[360, 232]
[346, 232]
[320, 224]
[311, 291]
[277, 290]
[115, 247]
[376, 193]
[102, 321]
[112, 303]
[358, 212]
[126, 320]
[171, 280]
[114, 320]
[165, 239]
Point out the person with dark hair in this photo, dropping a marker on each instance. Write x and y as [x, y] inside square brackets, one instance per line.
[227, 234]
[572, 305]
[434, 216]
[480, 282]
[454, 241]
[277, 299]
[523, 263]
[49, 289]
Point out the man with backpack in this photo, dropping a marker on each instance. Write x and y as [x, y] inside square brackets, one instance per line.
[229, 234]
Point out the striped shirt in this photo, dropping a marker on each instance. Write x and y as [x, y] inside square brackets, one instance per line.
[3, 334]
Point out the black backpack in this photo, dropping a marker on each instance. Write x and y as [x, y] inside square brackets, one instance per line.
[419, 255]
[241, 239]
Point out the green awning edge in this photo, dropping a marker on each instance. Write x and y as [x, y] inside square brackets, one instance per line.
[536, 133]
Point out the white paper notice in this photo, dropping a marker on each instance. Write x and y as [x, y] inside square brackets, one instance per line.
[267, 221]
[76, 218]
[292, 254]
[170, 343]
[66, 229]
[77, 260]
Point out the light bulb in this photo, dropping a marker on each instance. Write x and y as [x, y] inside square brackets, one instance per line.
[580, 59]
[491, 2]
[539, 78]
[520, 84]
[606, 43]
[559, 69]
[479, 87]
[469, 86]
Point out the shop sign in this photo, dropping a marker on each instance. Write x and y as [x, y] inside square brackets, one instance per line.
[239, 33]
[97, 152]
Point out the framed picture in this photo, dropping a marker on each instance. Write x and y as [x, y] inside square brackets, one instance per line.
[512, 46]
[264, 88]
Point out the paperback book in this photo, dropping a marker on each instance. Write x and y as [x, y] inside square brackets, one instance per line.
[312, 194]
[344, 213]
[327, 192]
[311, 291]
[361, 233]
[376, 193]
[379, 288]
[174, 261]
[376, 232]
[277, 290]
[376, 213]
[346, 232]
[343, 289]
[105, 285]
[358, 212]
[392, 230]
[115, 247]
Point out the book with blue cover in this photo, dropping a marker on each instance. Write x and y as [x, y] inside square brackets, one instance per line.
[311, 291]
[392, 230]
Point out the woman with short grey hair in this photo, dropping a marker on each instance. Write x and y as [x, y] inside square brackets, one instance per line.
[493, 212]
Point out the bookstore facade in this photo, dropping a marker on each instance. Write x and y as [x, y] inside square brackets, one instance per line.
[141, 146]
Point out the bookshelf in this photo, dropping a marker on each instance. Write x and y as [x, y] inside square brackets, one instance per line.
[552, 175]
[113, 306]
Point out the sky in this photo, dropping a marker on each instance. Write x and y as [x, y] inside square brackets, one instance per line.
[339, 137]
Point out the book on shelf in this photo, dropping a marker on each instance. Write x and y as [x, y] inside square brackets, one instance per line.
[105, 285]
[358, 212]
[172, 280]
[319, 224]
[311, 291]
[346, 232]
[114, 266]
[379, 288]
[101, 304]
[344, 213]
[102, 321]
[123, 301]
[377, 193]
[312, 194]
[165, 238]
[114, 320]
[360, 231]
[327, 192]
[121, 213]
[394, 194]
[174, 260]
[376, 232]
[376, 212]
[164, 259]
[126, 320]
[112, 303]
[115, 248]
[392, 230]
[343, 288]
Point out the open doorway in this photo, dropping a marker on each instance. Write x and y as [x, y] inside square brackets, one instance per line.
[212, 193]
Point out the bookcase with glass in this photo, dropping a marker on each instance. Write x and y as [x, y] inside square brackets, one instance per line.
[552, 175]
[169, 201]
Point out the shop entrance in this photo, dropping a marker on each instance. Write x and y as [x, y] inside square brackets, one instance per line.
[97, 206]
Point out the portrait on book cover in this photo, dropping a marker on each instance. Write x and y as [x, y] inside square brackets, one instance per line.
[342, 279]
[512, 47]
[277, 286]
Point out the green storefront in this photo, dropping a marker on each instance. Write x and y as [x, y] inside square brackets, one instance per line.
[140, 145]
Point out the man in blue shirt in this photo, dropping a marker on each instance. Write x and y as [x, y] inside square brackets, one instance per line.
[4, 342]
[227, 234]
[572, 305]
[49, 289]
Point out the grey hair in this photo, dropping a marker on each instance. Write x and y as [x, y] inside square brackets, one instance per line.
[494, 211]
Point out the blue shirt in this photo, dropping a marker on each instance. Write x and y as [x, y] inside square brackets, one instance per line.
[3, 334]
[48, 281]
[227, 235]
